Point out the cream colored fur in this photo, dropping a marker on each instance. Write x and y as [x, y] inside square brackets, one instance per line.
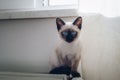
[63, 48]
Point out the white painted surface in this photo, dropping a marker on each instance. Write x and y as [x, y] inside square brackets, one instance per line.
[62, 2]
[77, 79]
[25, 46]
[16, 9]
[16, 4]
[45, 12]
[29, 76]
[100, 37]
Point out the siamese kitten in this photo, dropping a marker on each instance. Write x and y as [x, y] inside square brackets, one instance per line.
[67, 54]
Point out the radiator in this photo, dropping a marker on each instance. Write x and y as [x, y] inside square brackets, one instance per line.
[30, 76]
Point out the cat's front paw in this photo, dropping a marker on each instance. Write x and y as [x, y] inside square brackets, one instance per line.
[75, 74]
[61, 70]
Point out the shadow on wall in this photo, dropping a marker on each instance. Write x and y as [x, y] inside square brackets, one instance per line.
[25, 45]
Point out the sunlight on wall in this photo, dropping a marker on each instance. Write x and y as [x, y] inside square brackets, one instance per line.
[109, 8]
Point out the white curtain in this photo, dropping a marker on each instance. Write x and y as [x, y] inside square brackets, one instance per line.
[110, 8]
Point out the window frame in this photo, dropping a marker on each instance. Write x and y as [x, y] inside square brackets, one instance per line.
[16, 4]
[40, 12]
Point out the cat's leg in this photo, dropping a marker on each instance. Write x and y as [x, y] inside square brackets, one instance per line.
[54, 64]
[60, 59]
[75, 64]
[74, 71]
[53, 61]
[61, 69]
[57, 65]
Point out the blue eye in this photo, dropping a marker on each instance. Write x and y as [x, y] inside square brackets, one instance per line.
[74, 33]
[65, 33]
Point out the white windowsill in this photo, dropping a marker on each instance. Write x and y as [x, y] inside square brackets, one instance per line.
[38, 13]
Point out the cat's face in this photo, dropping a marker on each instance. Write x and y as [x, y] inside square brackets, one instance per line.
[69, 32]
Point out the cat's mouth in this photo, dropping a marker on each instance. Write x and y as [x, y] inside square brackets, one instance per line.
[69, 39]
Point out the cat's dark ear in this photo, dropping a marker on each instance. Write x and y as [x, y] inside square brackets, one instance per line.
[78, 22]
[59, 23]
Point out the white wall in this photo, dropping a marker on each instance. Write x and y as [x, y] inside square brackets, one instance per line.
[100, 38]
[25, 45]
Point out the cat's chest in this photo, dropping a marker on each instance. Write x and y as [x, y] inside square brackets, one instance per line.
[69, 50]
[65, 50]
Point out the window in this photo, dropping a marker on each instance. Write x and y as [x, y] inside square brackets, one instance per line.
[36, 4]
[13, 9]
[62, 2]
[16, 4]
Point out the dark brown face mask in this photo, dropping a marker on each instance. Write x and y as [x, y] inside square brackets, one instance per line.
[69, 35]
